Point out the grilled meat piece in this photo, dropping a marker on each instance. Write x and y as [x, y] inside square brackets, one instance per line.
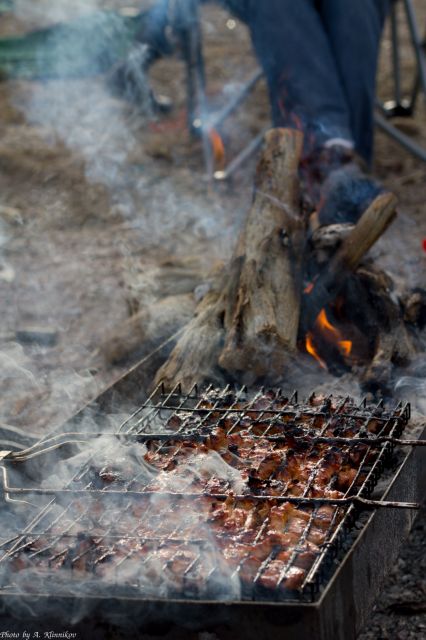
[239, 459]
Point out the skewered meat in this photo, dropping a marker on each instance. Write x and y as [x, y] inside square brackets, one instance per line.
[215, 497]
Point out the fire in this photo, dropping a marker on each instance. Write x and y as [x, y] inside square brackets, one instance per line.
[346, 347]
[323, 323]
[312, 351]
[218, 149]
[329, 333]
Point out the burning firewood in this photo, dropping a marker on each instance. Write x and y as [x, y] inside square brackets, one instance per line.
[384, 321]
[327, 239]
[254, 316]
[249, 321]
[368, 311]
[372, 224]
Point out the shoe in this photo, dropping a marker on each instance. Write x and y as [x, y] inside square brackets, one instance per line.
[323, 160]
[346, 194]
[316, 167]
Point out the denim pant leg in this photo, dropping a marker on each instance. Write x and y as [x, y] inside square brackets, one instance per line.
[304, 82]
[354, 29]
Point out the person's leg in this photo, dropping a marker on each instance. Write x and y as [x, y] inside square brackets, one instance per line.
[304, 83]
[354, 29]
[240, 8]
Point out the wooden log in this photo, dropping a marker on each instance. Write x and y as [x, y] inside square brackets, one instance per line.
[372, 306]
[414, 304]
[248, 322]
[372, 224]
[195, 356]
[327, 240]
[392, 347]
[262, 317]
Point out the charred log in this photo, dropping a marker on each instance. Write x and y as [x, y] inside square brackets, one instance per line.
[374, 308]
[372, 224]
[327, 240]
[414, 304]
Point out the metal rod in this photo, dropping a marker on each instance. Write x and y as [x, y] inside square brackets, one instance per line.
[416, 85]
[415, 93]
[309, 434]
[219, 118]
[354, 441]
[417, 43]
[189, 30]
[406, 142]
[396, 64]
[202, 437]
[293, 411]
[241, 158]
[217, 496]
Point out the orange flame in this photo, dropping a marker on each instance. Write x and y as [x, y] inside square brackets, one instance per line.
[345, 347]
[324, 327]
[312, 351]
[218, 149]
[323, 323]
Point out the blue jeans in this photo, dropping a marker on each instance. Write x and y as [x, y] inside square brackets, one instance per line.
[320, 59]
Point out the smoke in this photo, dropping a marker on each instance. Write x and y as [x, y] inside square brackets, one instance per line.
[109, 543]
[110, 134]
[45, 12]
[82, 113]
[411, 386]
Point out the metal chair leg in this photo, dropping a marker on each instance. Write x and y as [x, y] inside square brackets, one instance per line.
[200, 123]
[399, 106]
[401, 138]
[418, 44]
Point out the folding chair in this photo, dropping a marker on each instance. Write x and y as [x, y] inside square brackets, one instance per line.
[399, 106]
[201, 124]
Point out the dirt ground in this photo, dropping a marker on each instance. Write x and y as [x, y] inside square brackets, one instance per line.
[95, 197]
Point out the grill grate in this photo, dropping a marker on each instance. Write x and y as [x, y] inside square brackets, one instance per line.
[223, 494]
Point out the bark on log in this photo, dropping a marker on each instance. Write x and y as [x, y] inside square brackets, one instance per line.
[414, 304]
[195, 356]
[372, 224]
[327, 240]
[393, 347]
[194, 359]
[373, 307]
[262, 318]
[249, 322]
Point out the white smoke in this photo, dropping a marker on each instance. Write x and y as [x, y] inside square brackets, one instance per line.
[119, 520]
[45, 12]
[107, 133]
[411, 386]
